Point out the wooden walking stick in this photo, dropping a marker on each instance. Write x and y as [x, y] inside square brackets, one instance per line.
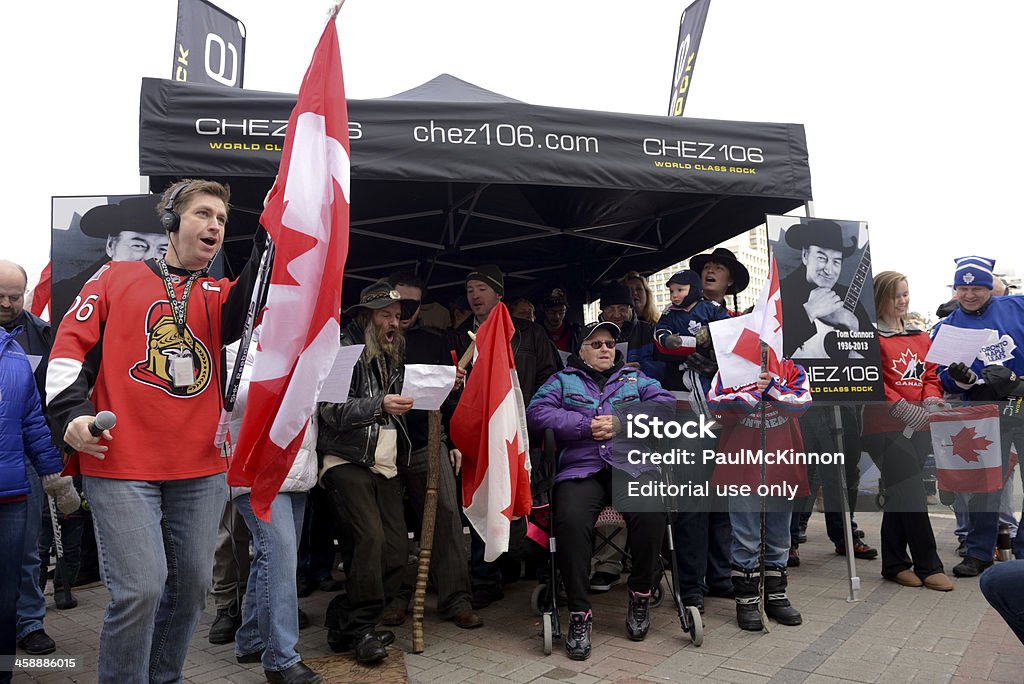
[427, 528]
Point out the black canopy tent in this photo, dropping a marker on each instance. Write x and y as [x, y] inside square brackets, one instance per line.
[448, 176]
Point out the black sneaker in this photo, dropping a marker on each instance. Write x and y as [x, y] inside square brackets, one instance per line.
[577, 638]
[370, 648]
[860, 550]
[40, 643]
[971, 567]
[638, 615]
[695, 601]
[604, 581]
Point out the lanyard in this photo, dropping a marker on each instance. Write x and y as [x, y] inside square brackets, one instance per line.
[178, 308]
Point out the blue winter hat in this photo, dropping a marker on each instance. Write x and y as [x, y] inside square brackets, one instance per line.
[973, 270]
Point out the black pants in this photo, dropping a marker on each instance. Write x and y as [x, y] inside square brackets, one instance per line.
[316, 545]
[577, 505]
[905, 520]
[374, 543]
[449, 562]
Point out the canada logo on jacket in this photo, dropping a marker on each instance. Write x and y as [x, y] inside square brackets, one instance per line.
[910, 367]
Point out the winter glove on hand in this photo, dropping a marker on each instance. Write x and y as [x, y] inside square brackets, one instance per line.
[912, 415]
[703, 336]
[673, 342]
[704, 365]
[935, 404]
[1002, 380]
[62, 489]
[962, 374]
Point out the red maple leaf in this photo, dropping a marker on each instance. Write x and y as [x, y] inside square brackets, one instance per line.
[968, 445]
[778, 315]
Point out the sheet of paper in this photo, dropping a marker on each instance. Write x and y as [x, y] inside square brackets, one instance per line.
[428, 386]
[959, 345]
[337, 382]
[736, 368]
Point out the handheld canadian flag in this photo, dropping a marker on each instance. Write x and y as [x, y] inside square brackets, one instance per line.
[307, 216]
[968, 457]
[738, 339]
[489, 427]
[41, 292]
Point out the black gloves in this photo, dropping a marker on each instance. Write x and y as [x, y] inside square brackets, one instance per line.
[1002, 380]
[703, 336]
[962, 374]
[704, 365]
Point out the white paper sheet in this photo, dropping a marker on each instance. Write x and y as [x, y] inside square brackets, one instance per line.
[428, 386]
[336, 384]
[959, 345]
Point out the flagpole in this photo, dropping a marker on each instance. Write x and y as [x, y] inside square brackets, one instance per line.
[763, 517]
[851, 564]
[256, 302]
[427, 527]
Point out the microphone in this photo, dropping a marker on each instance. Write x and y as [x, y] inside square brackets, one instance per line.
[104, 420]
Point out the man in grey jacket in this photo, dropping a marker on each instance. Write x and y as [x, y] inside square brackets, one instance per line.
[359, 445]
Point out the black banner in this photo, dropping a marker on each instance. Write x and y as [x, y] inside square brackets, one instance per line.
[828, 308]
[691, 26]
[209, 45]
[218, 132]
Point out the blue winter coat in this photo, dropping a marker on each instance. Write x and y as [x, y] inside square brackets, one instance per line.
[23, 430]
[1005, 315]
[570, 399]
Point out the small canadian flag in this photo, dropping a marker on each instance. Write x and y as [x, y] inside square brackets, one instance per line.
[968, 457]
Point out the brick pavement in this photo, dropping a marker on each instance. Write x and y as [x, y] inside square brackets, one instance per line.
[894, 634]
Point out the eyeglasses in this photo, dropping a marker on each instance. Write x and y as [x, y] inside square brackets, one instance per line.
[597, 344]
[12, 299]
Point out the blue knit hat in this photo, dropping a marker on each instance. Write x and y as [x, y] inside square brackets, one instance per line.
[973, 270]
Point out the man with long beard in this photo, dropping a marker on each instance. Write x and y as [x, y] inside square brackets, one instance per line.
[359, 445]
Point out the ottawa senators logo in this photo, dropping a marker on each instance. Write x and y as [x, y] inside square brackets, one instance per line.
[165, 344]
[910, 367]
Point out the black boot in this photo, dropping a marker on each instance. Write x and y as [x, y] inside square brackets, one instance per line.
[638, 615]
[59, 599]
[776, 603]
[747, 585]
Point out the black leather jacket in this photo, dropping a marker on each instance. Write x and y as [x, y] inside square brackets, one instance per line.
[350, 430]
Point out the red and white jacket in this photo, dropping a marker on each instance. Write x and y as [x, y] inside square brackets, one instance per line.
[906, 376]
[113, 352]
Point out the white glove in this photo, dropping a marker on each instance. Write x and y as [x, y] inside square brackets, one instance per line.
[62, 489]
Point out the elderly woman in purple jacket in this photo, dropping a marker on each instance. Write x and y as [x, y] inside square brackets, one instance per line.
[585, 405]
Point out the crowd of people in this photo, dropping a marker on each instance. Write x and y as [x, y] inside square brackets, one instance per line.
[153, 340]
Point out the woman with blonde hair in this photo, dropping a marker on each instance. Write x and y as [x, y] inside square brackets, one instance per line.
[896, 436]
[643, 298]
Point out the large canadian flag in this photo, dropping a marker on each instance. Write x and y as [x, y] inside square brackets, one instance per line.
[489, 427]
[968, 457]
[307, 216]
[738, 339]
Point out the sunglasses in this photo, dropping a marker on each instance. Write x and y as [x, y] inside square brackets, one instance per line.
[597, 344]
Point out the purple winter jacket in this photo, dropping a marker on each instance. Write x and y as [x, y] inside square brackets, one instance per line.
[570, 399]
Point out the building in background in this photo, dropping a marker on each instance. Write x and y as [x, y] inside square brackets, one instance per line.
[750, 248]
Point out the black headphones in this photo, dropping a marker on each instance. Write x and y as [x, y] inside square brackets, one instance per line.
[170, 219]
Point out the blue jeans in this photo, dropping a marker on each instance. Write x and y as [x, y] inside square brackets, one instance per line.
[1001, 586]
[155, 542]
[12, 536]
[270, 610]
[745, 516]
[31, 603]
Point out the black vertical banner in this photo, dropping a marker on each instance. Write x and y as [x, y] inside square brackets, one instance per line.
[691, 25]
[209, 45]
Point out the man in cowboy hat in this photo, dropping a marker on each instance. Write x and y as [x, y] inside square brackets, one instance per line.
[132, 231]
[721, 274]
[359, 445]
[823, 247]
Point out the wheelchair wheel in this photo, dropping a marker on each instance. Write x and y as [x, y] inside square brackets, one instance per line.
[547, 626]
[540, 599]
[696, 625]
[657, 594]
